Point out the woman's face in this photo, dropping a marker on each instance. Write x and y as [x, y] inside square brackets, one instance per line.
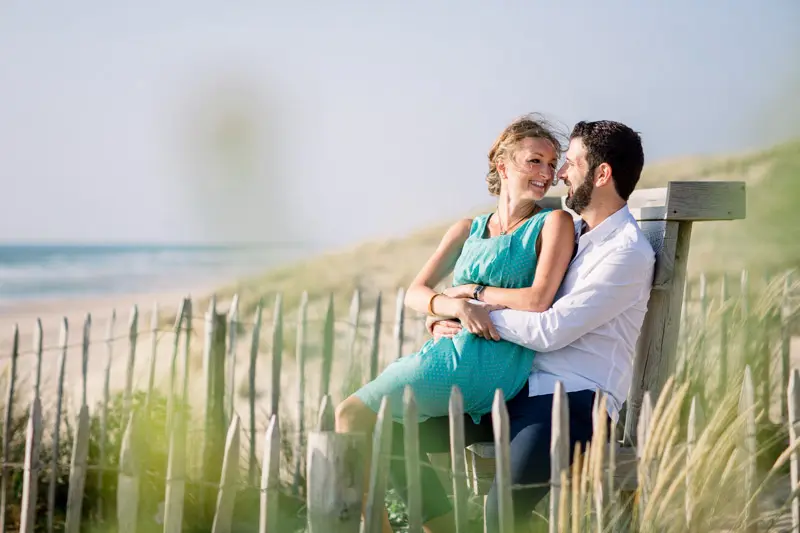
[528, 173]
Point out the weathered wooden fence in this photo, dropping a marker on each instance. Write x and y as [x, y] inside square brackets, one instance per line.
[326, 467]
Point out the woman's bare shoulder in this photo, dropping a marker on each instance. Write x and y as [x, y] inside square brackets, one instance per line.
[559, 222]
[459, 229]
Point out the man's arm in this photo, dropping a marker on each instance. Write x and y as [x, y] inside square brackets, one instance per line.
[611, 288]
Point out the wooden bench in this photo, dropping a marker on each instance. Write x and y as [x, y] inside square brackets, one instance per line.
[666, 216]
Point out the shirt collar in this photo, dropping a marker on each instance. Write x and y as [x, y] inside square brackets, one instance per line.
[607, 228]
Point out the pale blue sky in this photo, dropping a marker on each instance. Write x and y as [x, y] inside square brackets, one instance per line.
[369, 118]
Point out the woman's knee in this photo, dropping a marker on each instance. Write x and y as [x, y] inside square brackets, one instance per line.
[353, 415]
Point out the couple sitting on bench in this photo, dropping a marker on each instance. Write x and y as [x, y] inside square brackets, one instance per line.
[536, 298]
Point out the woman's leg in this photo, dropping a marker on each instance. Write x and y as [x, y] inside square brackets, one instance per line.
[353, 416]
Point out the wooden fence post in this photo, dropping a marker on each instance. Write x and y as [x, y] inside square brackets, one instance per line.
[375, 345]
[559, 452]
[172, 398]
[744, 301]
[128, 479]
[51, 489]
[684, 333]
[77, 473]
[300, 360]
[37, 349]
[30, 480]
[187, 349]
[335, 485]
[355, 313]
[270, 481]
[379, 468]
[597, 459]
[176, 476]
[327, 349]
[586, 517]
[9, 415]
[577, 503]
[87, 332]
[614, 504]
[254, 345]
[326, 421]
[151, 373]
[101, 472]
[399, 324]
[660, 326]
[277, 354]
[229, 479]
[793, 401]
[133, 326]
[645, 467]
[457, 458]
[411, 452]
[214, 359]
[230, 389]
[500, 427]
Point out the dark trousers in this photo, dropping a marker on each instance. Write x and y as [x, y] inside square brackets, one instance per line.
[530, 428]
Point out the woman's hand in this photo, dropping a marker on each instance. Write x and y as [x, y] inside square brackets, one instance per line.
[474, 318]
[460, 291]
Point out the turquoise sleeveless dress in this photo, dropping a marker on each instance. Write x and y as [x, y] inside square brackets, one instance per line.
[478, 366]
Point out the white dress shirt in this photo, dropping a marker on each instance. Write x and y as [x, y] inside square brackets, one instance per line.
[587, 339]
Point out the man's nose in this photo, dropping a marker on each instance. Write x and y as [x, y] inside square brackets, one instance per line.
[561, 175]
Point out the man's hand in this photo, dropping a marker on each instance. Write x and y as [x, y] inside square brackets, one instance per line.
[460, 291]
[442, 328]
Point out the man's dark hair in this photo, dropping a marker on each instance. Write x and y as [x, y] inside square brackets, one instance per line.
[618, 145]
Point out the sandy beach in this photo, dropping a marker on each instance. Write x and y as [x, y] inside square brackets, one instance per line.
[51, 313]
[75, 310]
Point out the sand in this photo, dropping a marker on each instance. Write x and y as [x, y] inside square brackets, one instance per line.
[52, 312]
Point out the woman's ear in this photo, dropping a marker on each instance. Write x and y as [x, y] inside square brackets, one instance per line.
[501, 168]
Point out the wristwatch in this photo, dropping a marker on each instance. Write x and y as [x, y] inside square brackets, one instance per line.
[476, 294]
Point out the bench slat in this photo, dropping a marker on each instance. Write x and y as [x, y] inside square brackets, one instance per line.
[482, 466]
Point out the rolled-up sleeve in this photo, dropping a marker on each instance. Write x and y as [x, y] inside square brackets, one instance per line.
[612, 287]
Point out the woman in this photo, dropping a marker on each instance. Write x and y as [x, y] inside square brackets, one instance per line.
[519, 253]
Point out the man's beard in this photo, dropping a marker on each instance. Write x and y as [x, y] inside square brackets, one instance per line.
[579, 200]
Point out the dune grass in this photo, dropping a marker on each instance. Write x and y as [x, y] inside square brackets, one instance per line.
[766, 240]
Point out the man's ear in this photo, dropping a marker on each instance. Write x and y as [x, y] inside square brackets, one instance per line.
[602, 175]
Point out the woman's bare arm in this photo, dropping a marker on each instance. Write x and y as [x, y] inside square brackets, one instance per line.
[439, 265]
[558, 241]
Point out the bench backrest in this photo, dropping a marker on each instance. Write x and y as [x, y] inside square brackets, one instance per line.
[666, 216]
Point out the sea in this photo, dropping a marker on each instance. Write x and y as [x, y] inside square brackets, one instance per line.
[31, 272]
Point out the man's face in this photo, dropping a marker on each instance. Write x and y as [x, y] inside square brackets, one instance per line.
[575, 174]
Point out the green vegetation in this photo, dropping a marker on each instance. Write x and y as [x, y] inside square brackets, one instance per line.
[766, 240]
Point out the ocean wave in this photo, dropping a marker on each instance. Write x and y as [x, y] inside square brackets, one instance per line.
[28, 272]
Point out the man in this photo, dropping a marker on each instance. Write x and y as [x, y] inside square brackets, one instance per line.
[586, 339]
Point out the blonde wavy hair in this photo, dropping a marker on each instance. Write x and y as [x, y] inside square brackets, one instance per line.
[532, 126]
